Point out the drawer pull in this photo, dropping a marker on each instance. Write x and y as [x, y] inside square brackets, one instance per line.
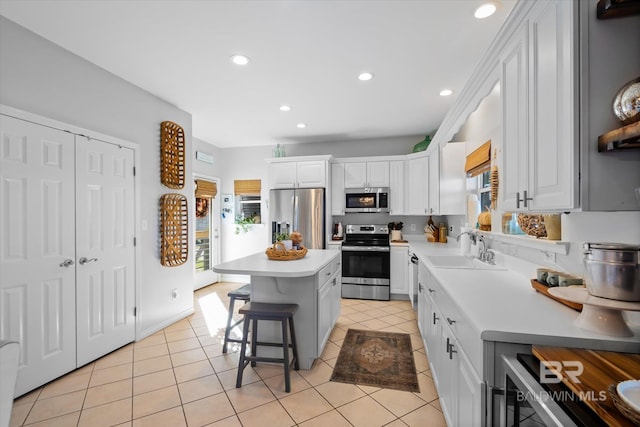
[451, 351]
[431, 290]
[435, 318]
[450, 321]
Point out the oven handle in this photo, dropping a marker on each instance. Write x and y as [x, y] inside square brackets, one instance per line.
[366, 248]
[551, 413]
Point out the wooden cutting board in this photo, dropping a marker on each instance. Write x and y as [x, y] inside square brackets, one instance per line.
[601, 368]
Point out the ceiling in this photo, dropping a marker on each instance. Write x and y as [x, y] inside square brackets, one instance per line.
[304, 53]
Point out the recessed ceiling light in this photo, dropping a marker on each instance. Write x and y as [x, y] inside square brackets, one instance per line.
[446, 92]
[240, 59]
[301, 125]
[365, 76]
[485, 10]
[285, 108]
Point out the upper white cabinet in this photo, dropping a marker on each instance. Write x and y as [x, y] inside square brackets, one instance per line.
[337, 189]
[298, 174]
[417, 186]
[538, 91]
[452, 179]
[366, 174]
[396, 187]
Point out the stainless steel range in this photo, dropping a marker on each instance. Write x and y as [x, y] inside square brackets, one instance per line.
[365, 262]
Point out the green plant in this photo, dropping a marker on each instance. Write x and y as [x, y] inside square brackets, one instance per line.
[282, 236]
[243, 224]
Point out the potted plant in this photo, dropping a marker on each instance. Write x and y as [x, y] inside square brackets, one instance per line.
[395, 229]
[285, 239]
[243, 223]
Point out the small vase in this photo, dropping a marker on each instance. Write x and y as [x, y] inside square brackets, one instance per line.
[288, 244]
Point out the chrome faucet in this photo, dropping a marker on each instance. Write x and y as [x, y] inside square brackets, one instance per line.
[484, 254]
[471, 234]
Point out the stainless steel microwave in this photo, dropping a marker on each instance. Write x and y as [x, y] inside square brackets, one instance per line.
[369, 199]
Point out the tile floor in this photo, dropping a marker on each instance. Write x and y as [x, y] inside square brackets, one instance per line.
[179, 377]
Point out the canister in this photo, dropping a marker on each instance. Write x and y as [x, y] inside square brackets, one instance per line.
[612, 270]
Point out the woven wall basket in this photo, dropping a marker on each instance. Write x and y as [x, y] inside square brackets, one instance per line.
[174, 230]
[172, 152]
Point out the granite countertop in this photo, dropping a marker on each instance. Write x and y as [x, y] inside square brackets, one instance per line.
[502, 306]
[259, 265]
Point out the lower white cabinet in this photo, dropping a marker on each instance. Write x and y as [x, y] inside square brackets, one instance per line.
[329, 295]
[398, 270]
[460, 388]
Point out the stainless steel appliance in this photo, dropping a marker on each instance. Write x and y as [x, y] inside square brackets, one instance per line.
[366, 262]
[613, 270]
[530, 401]
[301, 210]
[369, 199]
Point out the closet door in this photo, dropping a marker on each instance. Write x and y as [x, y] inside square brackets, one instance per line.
[105, 248]
[37, 249]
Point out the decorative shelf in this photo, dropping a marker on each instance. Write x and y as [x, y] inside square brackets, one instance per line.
[542, 244]
[624, 138]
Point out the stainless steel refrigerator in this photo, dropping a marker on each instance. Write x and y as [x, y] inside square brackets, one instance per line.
[301, 210]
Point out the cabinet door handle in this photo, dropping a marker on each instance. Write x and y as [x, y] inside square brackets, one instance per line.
[66, 263]
[419, 287]
[450, 321]
[518, 200]
[431, 290]
[451, 351]
[449, 345]
[435, 318]
[526, 199]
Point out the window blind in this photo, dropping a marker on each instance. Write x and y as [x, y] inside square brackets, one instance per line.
[479, 161]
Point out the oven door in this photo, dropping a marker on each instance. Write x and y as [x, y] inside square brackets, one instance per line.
[366, 265]
[526, 401]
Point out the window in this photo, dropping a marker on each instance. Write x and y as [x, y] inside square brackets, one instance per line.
[484, 190]
[205, 191]
[247, 201]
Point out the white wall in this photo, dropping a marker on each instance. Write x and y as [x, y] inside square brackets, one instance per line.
[358, 148]
[38, 76]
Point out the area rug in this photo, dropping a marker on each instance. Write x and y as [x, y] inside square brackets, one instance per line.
[378, 359]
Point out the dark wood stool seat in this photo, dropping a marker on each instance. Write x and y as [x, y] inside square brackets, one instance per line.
[283, 313]
[243, 293]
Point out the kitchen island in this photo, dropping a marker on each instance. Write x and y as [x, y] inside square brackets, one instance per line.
[312, 282]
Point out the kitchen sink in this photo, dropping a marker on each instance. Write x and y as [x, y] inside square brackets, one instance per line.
[460, 261]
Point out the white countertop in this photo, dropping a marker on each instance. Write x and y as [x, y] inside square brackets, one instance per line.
[259, 265]
[502, 306]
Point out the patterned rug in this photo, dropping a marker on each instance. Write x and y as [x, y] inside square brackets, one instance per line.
[378, 359]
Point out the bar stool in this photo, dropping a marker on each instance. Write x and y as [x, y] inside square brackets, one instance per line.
[243, 293]
[255, 311]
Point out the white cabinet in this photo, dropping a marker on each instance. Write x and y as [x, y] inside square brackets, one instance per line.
[334, 245]
[434, 183]
[396, 187]
[398, 272]
[329, 295]
[417, 186]
[366, 174]
[453, 179]
[337, 189]
[298, 174]
[538, 91]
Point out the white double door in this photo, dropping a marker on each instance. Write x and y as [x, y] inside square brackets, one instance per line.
[67, 257]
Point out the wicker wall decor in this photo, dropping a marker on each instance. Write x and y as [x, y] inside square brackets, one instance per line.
[174, 230]
[172, 152]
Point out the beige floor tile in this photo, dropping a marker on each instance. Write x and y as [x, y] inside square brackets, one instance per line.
[359, 317]
[421, 361]
[427, 415]
[183, 345]
[150, 341]
[149, 352]
[147, 366]
[428, 391]
[208, 410]
[178, 326]
[436, 404]
[19, 413]
[344, 321]
[206, 340]
[375, 324]
[368, 389]
[396, 423]
[366, 412]
[107, 393]
[409, 326]
[249, 396]
[271, 414]
[189, 356]
[30, 397]
[416, 342]
[337, 334]
[228, 378]
[173, 417]
[56, 406]
[393, 328]
[106, 415]
[392, 319]
[215, 350]
[180, 335]
[339, 394]
[331, 362]
[66, 384]
[398, 402]
[319, 373]
[227, 422]
[277, 387]
[153, 381]
[69, 420]
[330, 351]
[305, 405]
[193, 370]
[110, 375]
[199, 388]
[224, 362]
[331, 418]
[155, 401]
[118, 357]
[406, 315]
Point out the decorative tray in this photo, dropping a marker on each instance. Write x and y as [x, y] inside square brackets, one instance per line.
[544, 289]
[623, 406]
[278, 252]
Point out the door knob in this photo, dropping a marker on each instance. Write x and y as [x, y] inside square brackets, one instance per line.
[85, 260]
[66, 263]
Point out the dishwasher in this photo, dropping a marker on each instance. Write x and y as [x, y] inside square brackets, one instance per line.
[413, 279]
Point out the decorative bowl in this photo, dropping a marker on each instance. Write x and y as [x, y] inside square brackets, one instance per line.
[626, 104]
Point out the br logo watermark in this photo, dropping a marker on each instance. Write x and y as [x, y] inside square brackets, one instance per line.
[551, 371]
